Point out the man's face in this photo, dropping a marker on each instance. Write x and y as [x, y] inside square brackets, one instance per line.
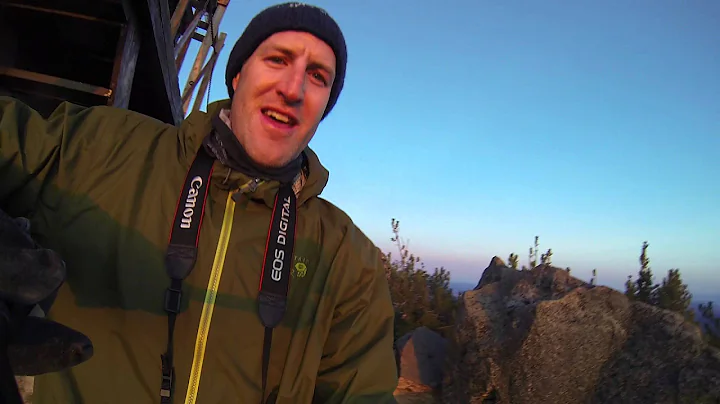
[280, 96]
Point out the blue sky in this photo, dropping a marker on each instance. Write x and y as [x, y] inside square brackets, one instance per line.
[480, 124]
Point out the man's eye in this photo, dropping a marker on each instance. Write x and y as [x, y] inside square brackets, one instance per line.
[320, 78]
[275, 59]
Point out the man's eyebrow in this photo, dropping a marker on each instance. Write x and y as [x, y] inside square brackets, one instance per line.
[313, 64]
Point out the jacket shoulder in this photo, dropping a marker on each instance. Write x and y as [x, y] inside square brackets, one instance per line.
[77, 126]
[78, 114]
[125, 122]
[353, 241]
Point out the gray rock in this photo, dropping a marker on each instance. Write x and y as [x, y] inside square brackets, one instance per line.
[542, 336]
[422, 356]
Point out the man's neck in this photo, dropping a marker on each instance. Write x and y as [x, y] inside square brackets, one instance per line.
[223, 144]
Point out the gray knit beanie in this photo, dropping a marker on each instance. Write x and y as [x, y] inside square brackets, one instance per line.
[290, 17]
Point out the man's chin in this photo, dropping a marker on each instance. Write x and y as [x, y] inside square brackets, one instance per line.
[272, 162]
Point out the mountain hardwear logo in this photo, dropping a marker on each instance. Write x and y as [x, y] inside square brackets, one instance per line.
[300, 270]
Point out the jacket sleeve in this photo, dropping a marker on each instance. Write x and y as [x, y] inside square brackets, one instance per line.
[358, 362]
[39, 154]
[30, 149]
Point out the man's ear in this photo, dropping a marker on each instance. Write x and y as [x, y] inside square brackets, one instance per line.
[235, 81]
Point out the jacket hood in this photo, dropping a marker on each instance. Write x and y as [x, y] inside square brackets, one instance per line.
[198, 124]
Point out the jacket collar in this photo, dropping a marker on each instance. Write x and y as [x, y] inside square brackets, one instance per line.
[309, 183]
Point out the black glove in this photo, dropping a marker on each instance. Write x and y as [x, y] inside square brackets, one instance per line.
[30, 276]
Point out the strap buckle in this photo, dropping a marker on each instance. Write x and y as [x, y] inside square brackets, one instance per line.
[166, 386]
[173, 298]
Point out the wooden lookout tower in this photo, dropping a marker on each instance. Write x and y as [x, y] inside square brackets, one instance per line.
[124, 53]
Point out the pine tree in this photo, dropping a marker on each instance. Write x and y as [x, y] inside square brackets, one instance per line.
[673, 294]
[513, 261]
[419, 298]
[711, 324]
[646, 290]
[593, 280]
[630, 288]
[531, 262]
[546, 259]
[442, 301]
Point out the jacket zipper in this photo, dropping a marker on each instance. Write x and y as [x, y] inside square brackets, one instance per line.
[213, 284]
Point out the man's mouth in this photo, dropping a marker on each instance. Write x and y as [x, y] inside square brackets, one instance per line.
[279, 117]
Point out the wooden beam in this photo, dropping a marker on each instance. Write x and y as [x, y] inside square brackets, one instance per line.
[208, 74]
[125, 60]
[55, 81]
[177, 17]
[205, 71]
[8, 41]
[159, 17]
[181, 53]
[59, 12]
[185, 38]
[205, 46]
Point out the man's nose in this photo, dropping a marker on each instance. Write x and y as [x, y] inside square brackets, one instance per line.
[292, 85]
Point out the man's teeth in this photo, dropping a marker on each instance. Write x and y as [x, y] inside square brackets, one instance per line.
[277, 116]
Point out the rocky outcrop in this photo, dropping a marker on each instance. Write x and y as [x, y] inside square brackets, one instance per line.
[542, 336]
[409, 392]
[422, 356]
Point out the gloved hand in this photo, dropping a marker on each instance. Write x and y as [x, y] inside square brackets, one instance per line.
[29, 276]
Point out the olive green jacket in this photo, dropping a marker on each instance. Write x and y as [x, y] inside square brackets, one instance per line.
[100, 186]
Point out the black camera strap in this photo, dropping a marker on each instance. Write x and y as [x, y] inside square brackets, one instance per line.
[182, 255]
[275, 277]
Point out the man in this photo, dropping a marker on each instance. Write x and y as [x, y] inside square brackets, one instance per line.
[105, 188]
